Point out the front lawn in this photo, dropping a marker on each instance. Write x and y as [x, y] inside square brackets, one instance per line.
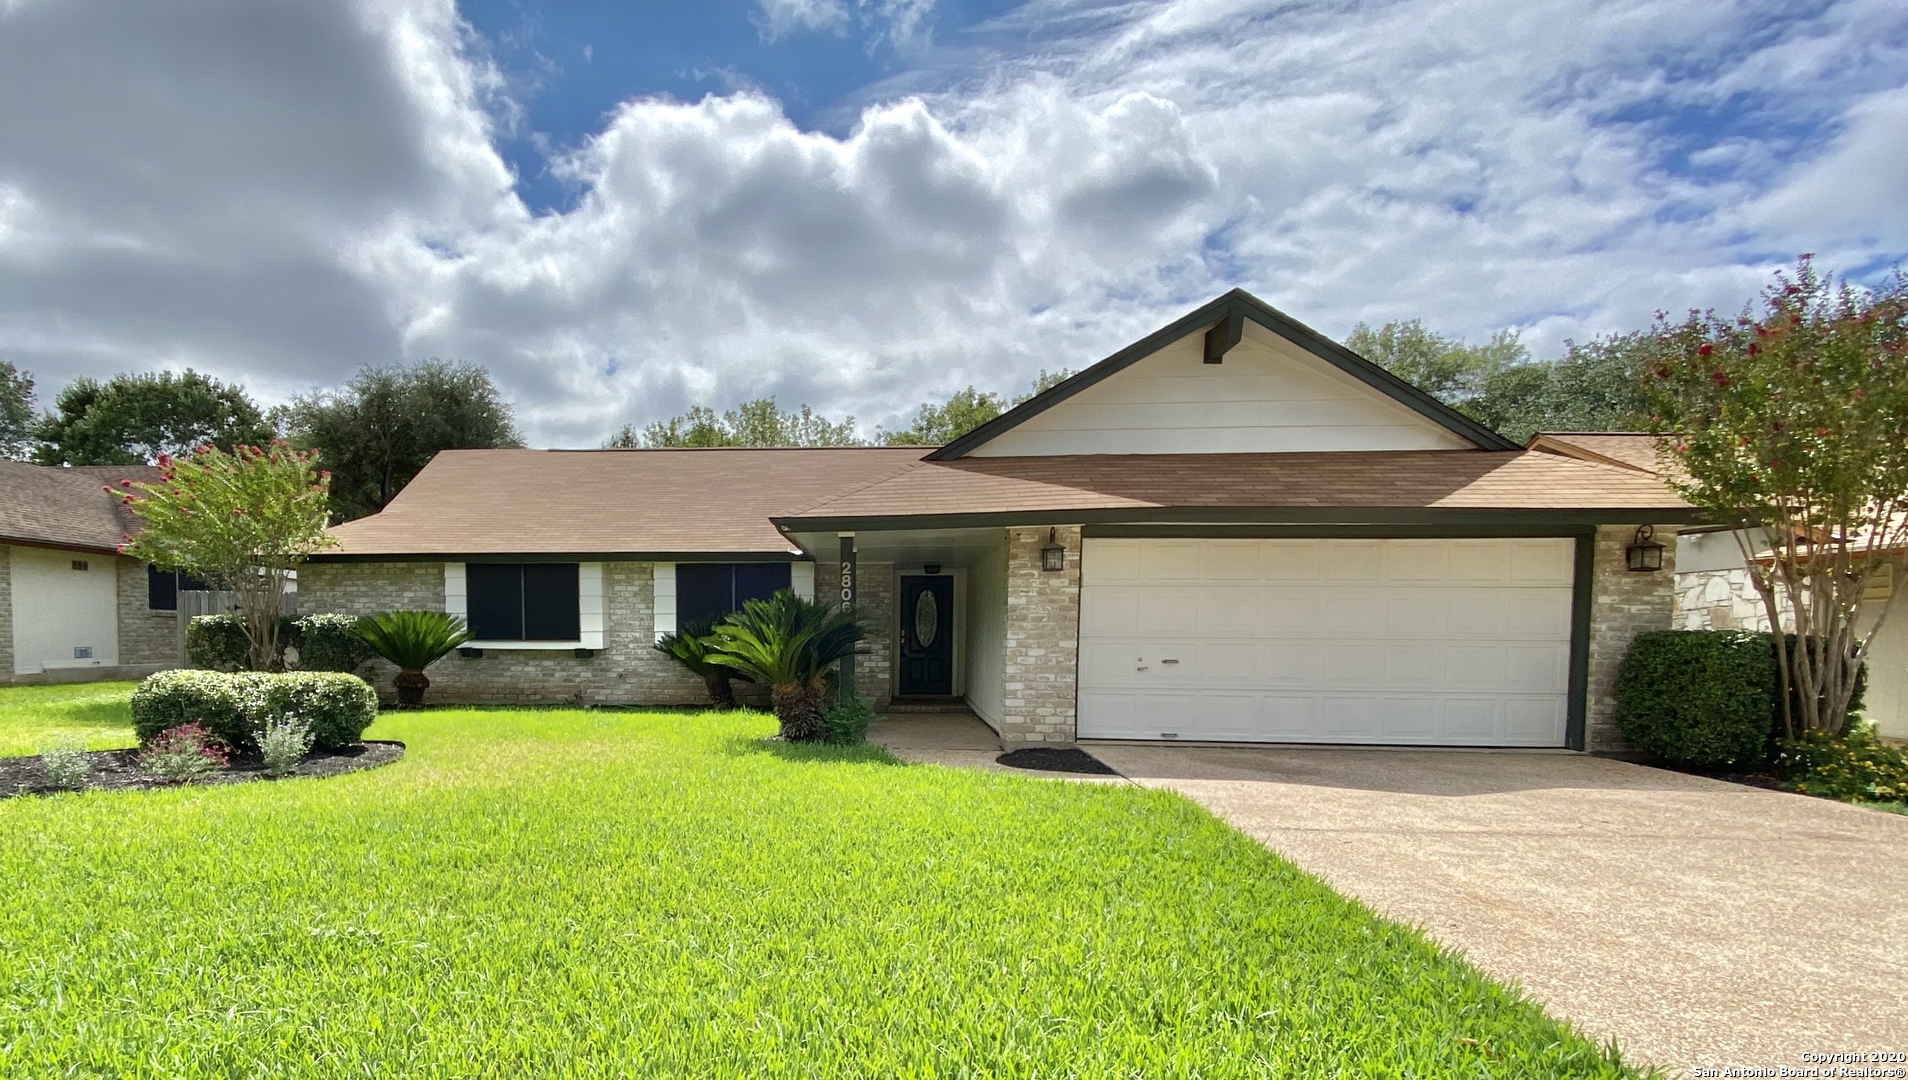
[575, 893]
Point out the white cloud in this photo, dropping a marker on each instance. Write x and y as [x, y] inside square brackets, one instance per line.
[779, 18]
[280, 192]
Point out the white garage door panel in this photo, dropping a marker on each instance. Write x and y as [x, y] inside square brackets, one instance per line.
[1452, 642]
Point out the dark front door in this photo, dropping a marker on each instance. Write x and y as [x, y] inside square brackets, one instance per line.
[927, 635]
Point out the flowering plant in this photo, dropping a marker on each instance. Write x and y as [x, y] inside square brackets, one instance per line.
[183, 754]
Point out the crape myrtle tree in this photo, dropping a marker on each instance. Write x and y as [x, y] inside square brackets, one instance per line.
[1791, 419]
[241, 521]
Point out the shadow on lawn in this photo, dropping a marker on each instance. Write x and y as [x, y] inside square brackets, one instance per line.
[805, 753]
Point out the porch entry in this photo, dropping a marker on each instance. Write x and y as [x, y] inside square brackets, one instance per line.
[927, 635]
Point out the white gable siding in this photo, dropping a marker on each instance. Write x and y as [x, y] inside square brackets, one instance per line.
[1268, 396]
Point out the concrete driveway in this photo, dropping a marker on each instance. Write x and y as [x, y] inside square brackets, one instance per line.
[1699, 923]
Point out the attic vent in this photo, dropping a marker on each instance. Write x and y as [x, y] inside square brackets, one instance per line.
[79, 564]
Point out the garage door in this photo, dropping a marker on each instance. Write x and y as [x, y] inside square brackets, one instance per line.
[1417, 642]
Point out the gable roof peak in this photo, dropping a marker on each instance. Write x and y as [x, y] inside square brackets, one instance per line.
[1224, 317]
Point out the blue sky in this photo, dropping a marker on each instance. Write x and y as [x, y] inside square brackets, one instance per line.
[625, 209]
[568, 64]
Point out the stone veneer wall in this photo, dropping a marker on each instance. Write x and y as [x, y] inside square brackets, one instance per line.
[147, 638]
[1042, 640]
[626, 671]
[1721, 600]
[1623, 605]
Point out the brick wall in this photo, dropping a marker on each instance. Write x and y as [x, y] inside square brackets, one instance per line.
[626, 671]
[1623, 605]
[1042, 639]
[874, 602]
[147, 638]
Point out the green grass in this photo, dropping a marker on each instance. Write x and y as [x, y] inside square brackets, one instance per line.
[34, 717]
[570, 893]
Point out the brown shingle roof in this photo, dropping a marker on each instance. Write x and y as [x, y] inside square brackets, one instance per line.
[1632, 450]
[570, 502]
[1414, 479]
[64, 507]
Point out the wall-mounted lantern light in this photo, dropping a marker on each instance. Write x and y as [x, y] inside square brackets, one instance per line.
[1053, 556]
[1644, 554]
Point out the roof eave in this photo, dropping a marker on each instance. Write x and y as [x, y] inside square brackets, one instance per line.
[1276, 515]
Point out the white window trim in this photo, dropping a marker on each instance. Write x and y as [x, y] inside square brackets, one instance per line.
[592, 611]
[665, 599]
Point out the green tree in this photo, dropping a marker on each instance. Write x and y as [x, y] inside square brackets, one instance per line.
[16, 411]
[1592, 387]
[1793, 418]
[967, 409]
[241, 521]
[132, 419]
[753, 423]
[1446, 368]
[389, 422]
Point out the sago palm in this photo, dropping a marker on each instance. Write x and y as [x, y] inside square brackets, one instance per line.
[788, 644]
[413, 640]
[691, 646]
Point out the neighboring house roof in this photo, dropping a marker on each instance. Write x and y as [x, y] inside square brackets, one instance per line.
[52, 506]
[1277, 486]
[1223, 321]
[1627, 449]
[610, 502]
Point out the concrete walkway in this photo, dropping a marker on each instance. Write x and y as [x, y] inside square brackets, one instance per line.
[1699, 923]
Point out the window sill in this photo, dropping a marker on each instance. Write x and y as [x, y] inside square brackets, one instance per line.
[547, 646]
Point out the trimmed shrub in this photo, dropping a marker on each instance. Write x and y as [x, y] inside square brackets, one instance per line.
[234, 706]
[847, 721]
[1699, 697]
[338, 706]
[216, 642]
[1856, 768]
[330, 643]
[210, 699]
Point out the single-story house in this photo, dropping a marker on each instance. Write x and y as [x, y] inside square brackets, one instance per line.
[71, 607]
[1714, 591]
[1232, 530]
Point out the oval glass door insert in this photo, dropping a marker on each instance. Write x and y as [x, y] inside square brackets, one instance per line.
[927, 618]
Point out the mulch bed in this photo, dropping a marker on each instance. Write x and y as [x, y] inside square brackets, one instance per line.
[117, 769]
[1055, 759]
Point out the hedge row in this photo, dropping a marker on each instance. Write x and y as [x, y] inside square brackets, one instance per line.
[324, 642]
[235, 705]
[1708, 698]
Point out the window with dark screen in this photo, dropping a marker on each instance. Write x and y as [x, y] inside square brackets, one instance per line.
[708, 591]
[523, 601]
[163, 587]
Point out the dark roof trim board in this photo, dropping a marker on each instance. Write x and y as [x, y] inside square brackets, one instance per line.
[57, 545]
[1229, 312]
[567, 557]
[1270, 515]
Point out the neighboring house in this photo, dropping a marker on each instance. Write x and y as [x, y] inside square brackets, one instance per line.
[71, 607]
[1713, 589]
[1233, 530]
